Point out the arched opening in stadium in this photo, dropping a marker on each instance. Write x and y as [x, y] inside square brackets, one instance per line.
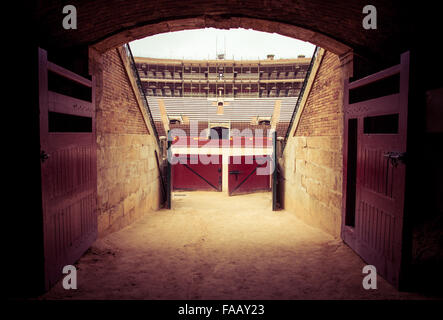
[211, 103]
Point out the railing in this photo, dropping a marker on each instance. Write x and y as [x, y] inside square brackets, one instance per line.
[302, 91]
[140, 89]
[232, 142]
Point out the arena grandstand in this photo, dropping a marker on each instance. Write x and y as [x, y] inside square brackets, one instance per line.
[222, 93]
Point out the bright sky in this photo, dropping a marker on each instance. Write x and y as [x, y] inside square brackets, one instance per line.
[205, 43]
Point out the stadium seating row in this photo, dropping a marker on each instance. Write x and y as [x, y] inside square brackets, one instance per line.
[253, 76]
[167, 92]
[242, 109]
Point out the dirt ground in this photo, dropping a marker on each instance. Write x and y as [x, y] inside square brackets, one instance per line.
[211, 246]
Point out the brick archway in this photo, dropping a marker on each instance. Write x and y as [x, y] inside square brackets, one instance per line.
[335, 26]
[108, 23]
[284, 29]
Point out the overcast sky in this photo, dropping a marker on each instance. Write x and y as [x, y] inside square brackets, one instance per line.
[205, 43]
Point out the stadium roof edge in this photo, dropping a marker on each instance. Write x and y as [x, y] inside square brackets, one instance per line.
[220, 61]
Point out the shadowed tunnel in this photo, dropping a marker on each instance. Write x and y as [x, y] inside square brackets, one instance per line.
[315, 157]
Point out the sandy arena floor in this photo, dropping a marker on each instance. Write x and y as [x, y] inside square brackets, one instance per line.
[211, 246]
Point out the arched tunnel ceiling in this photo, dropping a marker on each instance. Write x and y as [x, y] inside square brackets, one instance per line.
[334, 25]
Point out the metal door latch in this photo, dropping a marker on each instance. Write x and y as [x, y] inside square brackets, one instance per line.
[43, 156]
[394, 157]
[236, 172]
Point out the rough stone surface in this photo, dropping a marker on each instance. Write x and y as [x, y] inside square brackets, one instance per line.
[313, 156]
[127, 177]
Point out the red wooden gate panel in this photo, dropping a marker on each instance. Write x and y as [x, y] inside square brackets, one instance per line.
[243, 177]
[374, 168]
[190, 173]
[68, 168]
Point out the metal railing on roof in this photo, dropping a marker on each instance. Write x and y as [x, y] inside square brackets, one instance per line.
[140, 89]
[300, 96]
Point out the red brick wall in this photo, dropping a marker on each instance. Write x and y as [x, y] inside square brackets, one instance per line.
[119, 112]
[312, 159]
[128, 182]
[326, 23]
[321, 114]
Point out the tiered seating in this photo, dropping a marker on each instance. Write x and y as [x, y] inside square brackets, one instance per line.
[168, 92]
[274, 92]
[196, 76]
[242, 109]
[300, 75]
[247, 76]
[168, 74]
[141, 73]
[213, 76]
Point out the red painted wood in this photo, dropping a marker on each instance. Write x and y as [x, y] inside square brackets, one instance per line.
[380, 187]
[375, 77]
[69, 177]
[68, 105]
[251, 142]
[243, 177]
[192, 172]
[195, 142]
[236, 142]
[68, 74]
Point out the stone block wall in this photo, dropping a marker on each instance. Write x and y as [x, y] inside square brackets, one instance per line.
[128, 182]
[312, 159]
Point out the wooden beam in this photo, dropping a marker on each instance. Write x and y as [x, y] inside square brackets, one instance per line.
[163, 114]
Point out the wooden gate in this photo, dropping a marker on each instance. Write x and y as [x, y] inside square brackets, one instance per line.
[68, 166]
[375, 127]
[190, 173]
[244, 176]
